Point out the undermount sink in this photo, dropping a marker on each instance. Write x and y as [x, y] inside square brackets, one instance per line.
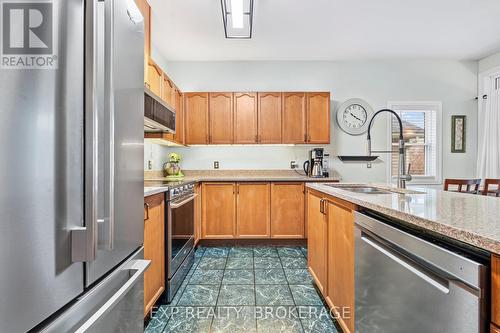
[367, 189]
[362, 189]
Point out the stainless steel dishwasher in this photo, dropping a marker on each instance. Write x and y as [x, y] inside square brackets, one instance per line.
[408, 284]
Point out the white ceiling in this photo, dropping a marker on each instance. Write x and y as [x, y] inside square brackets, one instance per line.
[330, 30]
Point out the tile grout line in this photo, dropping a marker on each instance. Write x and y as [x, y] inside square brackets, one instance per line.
[252, 257]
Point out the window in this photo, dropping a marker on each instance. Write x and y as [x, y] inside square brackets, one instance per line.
[422, 136]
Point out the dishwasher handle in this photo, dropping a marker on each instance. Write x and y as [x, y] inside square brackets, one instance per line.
[409, 265]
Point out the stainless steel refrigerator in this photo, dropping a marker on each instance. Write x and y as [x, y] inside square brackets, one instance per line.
[71, 171]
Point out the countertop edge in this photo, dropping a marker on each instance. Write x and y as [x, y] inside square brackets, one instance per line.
[465, 236]
[155, 190]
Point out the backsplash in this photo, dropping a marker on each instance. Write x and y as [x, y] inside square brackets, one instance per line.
[263, 157]
[229, 157]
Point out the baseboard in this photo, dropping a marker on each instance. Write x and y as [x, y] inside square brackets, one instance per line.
[249, 242]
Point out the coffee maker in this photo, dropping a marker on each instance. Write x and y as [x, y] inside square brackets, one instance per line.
[313, 167]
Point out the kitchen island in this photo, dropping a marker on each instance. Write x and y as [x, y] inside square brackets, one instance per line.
[460, 226]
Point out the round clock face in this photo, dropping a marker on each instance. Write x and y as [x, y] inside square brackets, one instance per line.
[354, 116]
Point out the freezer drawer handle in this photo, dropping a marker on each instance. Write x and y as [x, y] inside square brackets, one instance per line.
[139, 266]
[407, 265]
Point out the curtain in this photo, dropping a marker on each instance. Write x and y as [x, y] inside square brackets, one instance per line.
[488, 164]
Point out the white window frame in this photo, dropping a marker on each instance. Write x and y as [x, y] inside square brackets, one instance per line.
[419, 105]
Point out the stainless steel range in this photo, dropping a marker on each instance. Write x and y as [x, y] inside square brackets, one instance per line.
[179, 234]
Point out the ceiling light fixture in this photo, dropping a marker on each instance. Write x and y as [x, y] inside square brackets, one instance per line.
[237, 16]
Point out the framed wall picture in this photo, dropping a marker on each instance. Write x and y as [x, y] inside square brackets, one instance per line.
[458, 134]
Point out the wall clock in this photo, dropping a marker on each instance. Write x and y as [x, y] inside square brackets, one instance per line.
[354, 115]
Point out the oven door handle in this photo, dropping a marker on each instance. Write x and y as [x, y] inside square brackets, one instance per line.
[175, 205]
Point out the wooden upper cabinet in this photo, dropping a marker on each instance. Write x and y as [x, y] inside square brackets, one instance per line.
[317, 240]
[196, 118]
[340, 290]
[318, 117]
[245, 118]
[179, 116]
[218, 210]
[253, 210]
[154, 81]
[146, 13]
[154, 249]
[168, 93]
[221, 118]
[287, 210]
[294, 117]
[269, 106]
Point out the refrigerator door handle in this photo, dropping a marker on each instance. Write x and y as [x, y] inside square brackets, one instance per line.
[84, 239]
[107, 222]
[139, 266]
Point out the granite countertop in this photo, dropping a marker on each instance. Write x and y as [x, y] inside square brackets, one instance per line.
[232, 176]
[471, 219]
[152, 190]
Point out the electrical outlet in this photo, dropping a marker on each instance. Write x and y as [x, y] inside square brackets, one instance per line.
[216, 164]
[369, 165]
[293, 165]
[150, 164]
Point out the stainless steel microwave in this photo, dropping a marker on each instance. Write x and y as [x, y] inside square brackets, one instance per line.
[158, 116]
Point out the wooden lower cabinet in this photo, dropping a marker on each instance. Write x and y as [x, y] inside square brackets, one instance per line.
[197, 213]
[253, 216]
[287, 210]
[495, 291]
[218, 210]
[317, 240]
[255, 210]
[340, 287]
[154, 249]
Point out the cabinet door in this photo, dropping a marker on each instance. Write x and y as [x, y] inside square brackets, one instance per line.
[294, 117]
[196, 118]
[318, 117]
[221, 118]
[168, 91]
[287, 210]
[218, 210]
[245, 118]
[146, 13]
[179, 117]
[253, 210]
[495, 290]
[317, 240]
[269, 107]
[197, 213]
[154, 249]
[154, 78]
[340, 293]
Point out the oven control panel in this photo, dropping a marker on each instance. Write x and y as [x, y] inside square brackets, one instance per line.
[181, 190]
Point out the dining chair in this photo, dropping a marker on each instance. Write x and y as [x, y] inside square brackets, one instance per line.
[489, 182]
[461, 183]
